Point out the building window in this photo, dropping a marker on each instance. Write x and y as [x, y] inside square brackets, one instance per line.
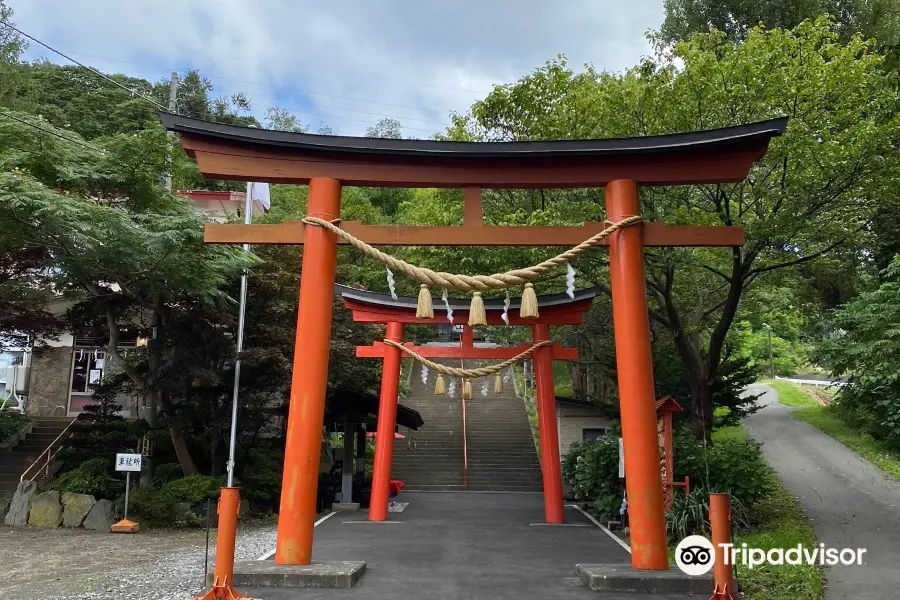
[592, 433]
[87, 370]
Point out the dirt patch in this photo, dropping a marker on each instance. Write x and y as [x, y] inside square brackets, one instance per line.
[820, 396]
[40, 563]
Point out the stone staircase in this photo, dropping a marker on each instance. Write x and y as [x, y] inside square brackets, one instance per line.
[500, 447]
[14, 462]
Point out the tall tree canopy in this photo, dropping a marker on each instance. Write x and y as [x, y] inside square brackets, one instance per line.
[817, 189]
[736, 18]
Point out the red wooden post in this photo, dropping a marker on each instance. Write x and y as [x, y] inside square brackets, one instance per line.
[303, 446]
[670, 457]
[547, 428]
[387, 422]
[636, 393]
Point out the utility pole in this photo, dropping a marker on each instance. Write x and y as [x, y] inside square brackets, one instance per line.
[154, 344]
[173, 108]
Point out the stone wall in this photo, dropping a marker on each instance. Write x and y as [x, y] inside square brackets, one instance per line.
[48, 391]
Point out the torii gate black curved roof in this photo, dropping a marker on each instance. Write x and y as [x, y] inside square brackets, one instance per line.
[460, 304]
[250, 154]
[727, 136]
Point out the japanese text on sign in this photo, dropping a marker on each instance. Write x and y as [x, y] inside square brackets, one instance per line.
[128, 462]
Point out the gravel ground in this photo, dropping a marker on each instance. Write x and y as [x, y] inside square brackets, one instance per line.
[41, 564]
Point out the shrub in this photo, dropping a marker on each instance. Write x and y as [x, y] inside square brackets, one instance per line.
[165, 473]
[155, 506]
[193, 489]
[261, 479]
[11, 423]
[689, 515]
[92, 477]
[734, 466]
[592, 472]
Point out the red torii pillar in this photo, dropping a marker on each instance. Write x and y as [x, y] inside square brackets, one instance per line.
[376, 308]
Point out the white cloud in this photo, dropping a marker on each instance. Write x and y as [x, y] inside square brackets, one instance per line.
[414, 60]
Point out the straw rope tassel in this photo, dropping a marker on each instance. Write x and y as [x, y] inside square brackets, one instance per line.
[424, 307]
[476, 311]
[440, 388]
[467, 389]
[529, 308]
[498, 384]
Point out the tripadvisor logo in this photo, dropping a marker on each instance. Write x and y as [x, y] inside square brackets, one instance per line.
[695, 555]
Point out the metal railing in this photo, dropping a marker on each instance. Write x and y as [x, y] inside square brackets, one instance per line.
[50, 453]
[462, 364]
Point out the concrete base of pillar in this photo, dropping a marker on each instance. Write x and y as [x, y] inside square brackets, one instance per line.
[622, 578]
[265, 573]
[345, 506]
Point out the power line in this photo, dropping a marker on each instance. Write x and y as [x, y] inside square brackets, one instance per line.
[53, 133]
[295, 65]
[287, 89]
[94, 71]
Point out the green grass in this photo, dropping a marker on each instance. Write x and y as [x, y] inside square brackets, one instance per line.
[791, 395]
[827, 420]
[781, 524]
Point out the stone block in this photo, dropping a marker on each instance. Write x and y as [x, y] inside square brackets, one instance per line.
[101, 516]
[265, 573]
[19, 507]
[75, 508]
[46, 511]
[622, 578]
[345, 506]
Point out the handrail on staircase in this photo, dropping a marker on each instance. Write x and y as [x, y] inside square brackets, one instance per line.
[50, 454]
[464, 440]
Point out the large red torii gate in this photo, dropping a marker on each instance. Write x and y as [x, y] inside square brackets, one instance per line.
[326, 163]
[557, 309]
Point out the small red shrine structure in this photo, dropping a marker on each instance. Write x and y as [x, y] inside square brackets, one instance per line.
[666, 409]
[558, 309]
[620, 166]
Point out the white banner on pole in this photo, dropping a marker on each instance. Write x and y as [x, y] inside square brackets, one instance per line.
[259, 193]
[621, 459]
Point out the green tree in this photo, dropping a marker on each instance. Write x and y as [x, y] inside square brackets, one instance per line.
[815, 190]
[120, 244]
[864, 346]
[871, 18]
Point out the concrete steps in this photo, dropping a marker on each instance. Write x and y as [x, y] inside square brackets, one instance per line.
[500, 448]
[14, 462]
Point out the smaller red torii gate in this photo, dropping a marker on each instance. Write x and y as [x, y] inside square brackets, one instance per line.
[558, 309]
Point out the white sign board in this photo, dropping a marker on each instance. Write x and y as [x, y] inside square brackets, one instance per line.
[128, 462]
[621, 459]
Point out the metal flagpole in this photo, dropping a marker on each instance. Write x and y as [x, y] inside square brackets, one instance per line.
[248, 214]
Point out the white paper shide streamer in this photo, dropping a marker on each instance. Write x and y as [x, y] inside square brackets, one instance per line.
[424, 375]
[451, 389]
[570, 281]
[390, 280]
[484, 388]
[447, 304]
[505, 315]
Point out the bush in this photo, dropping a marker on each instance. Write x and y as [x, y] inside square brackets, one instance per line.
[592, 471]
[155, 506]
[11, 422]
[736, 467]
[165, 473]
[193, 489]
[689, 515]
[92, 477]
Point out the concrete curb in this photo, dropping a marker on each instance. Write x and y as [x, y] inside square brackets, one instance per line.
[335, 574]
[622, 578]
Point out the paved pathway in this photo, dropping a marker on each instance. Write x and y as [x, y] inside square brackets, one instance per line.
[849, 501]
[462, 546]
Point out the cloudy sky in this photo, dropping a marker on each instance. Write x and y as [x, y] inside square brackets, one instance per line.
[344, 63]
